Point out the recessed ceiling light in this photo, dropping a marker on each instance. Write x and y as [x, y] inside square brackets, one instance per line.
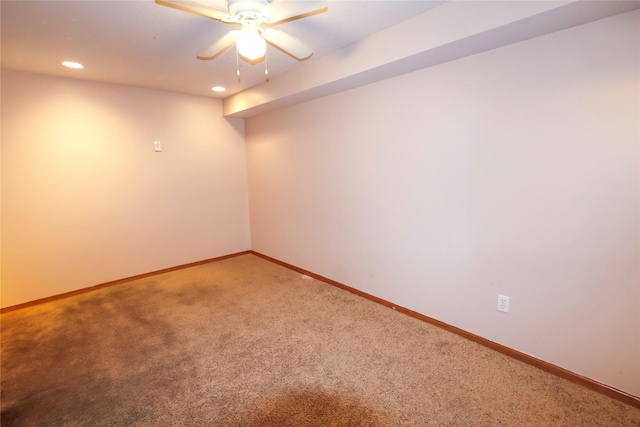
[218, 89]
[72, 64]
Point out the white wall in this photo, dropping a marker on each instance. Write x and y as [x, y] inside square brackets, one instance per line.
[515, 171]
[86, 200]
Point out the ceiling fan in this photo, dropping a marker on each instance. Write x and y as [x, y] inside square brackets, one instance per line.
[257, 19]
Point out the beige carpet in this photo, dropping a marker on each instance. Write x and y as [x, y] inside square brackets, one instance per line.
[244, 342]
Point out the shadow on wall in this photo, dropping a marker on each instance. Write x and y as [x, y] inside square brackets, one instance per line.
[312, 408]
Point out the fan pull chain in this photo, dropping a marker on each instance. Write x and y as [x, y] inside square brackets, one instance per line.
[238, 64]
[266, 67]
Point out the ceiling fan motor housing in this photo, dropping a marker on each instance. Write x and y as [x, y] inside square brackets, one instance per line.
[247, 7]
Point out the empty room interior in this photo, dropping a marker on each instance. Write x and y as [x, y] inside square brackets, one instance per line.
[468, 165]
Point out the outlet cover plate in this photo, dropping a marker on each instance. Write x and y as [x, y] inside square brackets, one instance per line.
[503, 303]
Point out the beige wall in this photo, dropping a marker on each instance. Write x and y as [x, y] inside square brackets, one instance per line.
[86, 200]
[515, 171]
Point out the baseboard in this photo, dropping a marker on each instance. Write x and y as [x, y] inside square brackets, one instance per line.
[117, 282]
[530, 360]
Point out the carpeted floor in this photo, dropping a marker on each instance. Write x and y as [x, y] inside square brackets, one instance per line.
[245, 342]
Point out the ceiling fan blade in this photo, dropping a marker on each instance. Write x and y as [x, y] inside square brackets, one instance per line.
[287, 43]
[286, 11]
[219, 46]
[197, 8]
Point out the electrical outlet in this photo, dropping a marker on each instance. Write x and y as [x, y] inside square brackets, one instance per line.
[503, 303]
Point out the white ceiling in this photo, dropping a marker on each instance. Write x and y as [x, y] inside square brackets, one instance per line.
[141, 43]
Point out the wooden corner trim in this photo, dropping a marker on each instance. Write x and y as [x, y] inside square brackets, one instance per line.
[523, 357]
[117, 282]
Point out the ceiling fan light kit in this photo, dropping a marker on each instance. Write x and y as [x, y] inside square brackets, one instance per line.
[250, 43]
[257, 17]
